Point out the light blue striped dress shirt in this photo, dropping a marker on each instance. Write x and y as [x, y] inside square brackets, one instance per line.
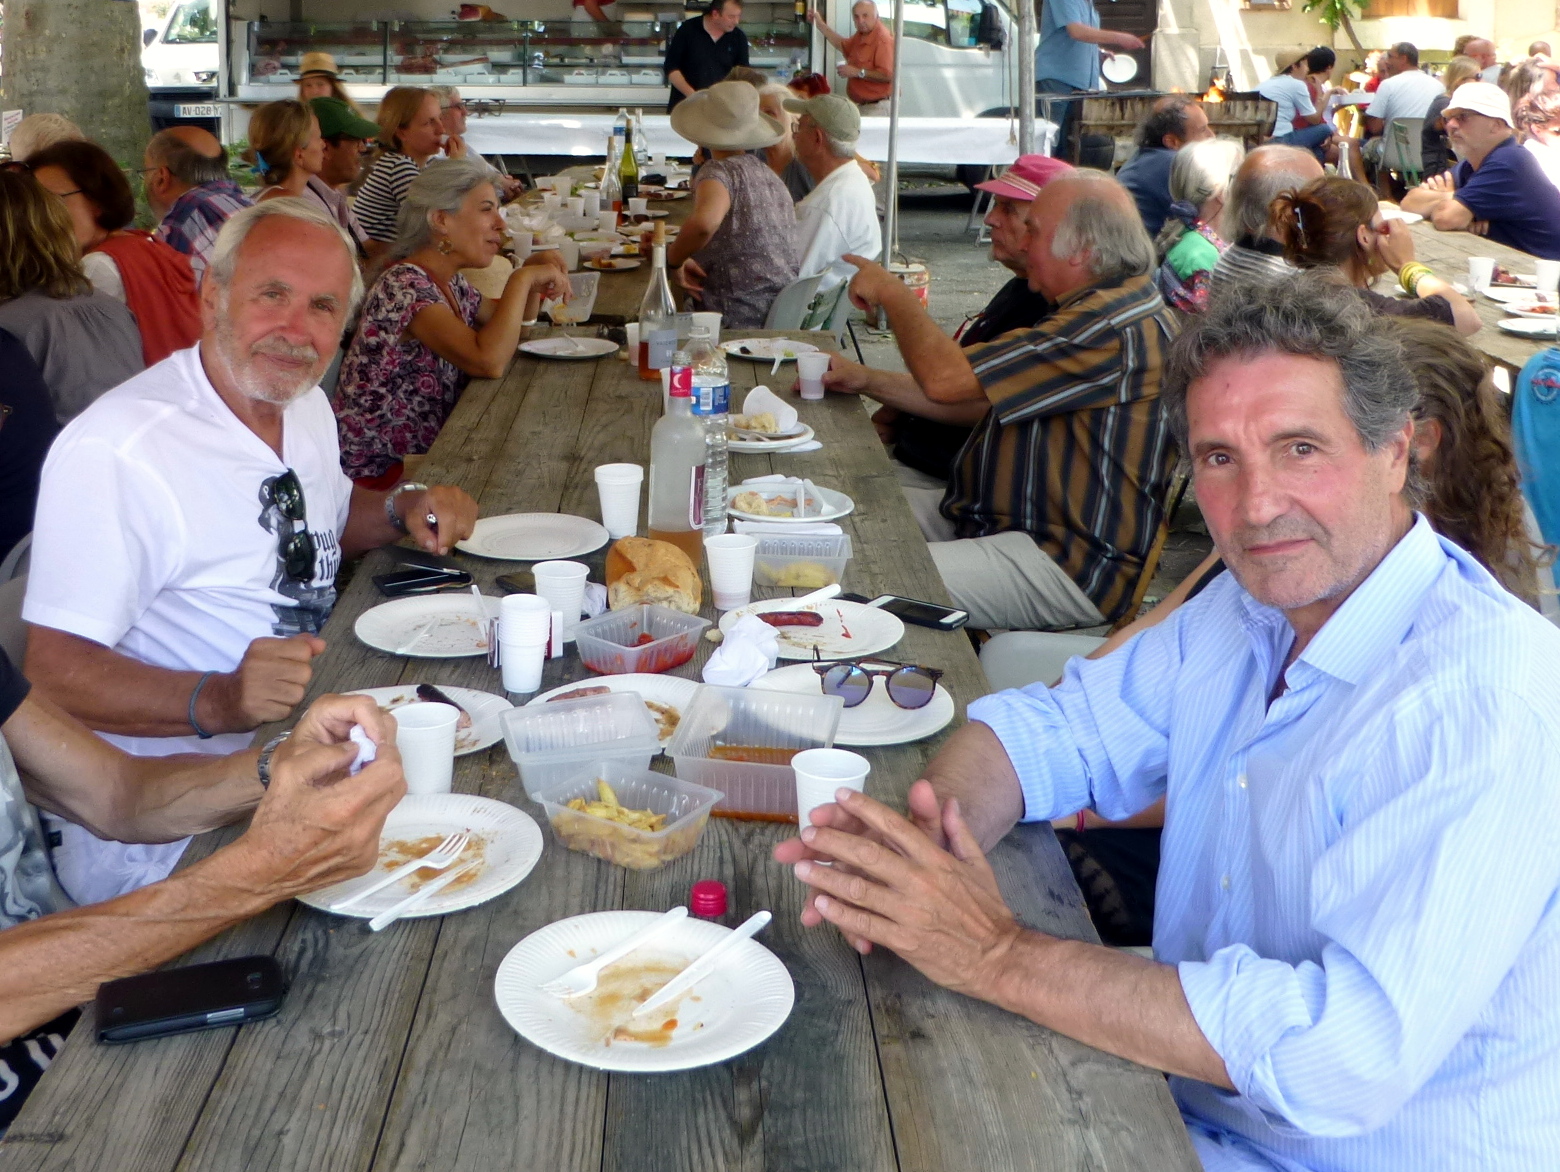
[1360, 885]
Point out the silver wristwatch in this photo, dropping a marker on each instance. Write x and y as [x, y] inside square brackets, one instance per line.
[404, 486]
[263, 766]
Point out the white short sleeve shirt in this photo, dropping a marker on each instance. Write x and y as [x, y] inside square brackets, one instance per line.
[837, 216]
[1293, 97]
[1404, 95]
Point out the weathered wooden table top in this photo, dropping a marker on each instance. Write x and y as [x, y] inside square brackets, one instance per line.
[1447, 253]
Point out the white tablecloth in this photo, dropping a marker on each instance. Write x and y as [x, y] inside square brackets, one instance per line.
[921, 140]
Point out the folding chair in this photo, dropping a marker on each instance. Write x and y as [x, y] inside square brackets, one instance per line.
[790, 305]
[1401, 150]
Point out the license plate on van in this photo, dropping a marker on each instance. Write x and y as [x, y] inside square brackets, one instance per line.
[197, 110]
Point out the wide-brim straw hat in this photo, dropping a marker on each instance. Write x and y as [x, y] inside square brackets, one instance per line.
[317, 62]
[726, 117]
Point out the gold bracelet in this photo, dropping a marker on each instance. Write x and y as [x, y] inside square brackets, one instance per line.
[1411, 274]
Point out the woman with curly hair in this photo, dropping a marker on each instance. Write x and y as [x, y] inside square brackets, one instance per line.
[1462, 442]
[1538, 126]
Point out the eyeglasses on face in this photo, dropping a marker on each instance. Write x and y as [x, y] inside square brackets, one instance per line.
[909, 685]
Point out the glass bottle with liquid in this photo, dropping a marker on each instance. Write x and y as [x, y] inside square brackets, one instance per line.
[628, 168]
[657, 316]
[677, 455]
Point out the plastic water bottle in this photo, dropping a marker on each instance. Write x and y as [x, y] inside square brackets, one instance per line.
[712, 404]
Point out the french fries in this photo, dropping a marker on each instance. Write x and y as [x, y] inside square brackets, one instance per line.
[612, 810]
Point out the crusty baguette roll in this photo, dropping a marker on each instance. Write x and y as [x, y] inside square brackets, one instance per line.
[641, 570]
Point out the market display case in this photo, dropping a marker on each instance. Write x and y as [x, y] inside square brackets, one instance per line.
[526, 62]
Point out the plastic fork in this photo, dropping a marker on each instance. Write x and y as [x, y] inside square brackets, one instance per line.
[581, 979]
[438, 858]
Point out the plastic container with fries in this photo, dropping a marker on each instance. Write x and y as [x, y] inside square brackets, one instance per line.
[631, 817]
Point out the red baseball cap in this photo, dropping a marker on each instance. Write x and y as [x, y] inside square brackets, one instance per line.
[1024, 179]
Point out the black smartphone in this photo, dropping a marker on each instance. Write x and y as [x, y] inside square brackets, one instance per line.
[520, 582]
[922, 614]
[423, 580]
[196, 997]
[409, 555]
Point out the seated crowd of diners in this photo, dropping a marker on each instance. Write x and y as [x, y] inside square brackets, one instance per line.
[1311, 754]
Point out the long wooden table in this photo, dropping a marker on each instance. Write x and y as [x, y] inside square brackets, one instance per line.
[390, 1052]
[1447, 253]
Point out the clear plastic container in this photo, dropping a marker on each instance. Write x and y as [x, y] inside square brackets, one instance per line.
[552, 742]
[740, 741]
[801, 562]
[609, 643]
[686, 806]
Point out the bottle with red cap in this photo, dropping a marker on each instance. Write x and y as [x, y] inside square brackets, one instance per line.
[707, 900]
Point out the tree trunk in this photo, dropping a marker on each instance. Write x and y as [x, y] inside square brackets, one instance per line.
[1348, 28]
[82, 59]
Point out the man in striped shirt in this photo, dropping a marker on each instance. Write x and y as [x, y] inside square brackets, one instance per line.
[1255, 255]
[1055, 499]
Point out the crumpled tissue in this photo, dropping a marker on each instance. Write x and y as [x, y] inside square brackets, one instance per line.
[747, 653]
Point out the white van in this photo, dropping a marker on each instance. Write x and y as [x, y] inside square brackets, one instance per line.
[183, 52]
[957, 59]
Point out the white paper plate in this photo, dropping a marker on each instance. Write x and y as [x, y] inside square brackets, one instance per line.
[568, 348]
[849, 628]
[672, 691]
[765, 349]
[877, 720]
[1393, 212]
[1528, 328]
[1505, 294]
[455, 633]
[511, 843]
[534, 537]
[736, 1007]
[835, 504]
[1525, 309]
[781, 443]
[614, 265]
[1119, 68]
[485, 709]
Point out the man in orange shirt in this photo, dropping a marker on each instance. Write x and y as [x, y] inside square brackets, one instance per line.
[869, 56]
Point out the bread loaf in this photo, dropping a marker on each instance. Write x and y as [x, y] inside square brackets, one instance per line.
[641, 570]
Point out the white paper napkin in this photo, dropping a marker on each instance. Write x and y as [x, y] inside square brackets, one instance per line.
[595, 599]
[761, 399]
[747, 653]
[367, 750]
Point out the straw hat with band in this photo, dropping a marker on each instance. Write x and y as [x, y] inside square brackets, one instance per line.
[726, 117]
[317, 62]
[1285, 61]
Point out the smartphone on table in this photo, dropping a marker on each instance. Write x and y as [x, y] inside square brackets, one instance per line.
[195, 997]
[913, 610]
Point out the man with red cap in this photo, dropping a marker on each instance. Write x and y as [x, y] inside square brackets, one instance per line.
[925, 449]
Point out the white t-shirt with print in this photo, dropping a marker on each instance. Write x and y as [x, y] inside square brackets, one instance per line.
[154, 537]
[1404, 95]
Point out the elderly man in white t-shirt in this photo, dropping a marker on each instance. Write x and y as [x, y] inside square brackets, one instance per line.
[1406, 93]
[191, 522]
[839, 215]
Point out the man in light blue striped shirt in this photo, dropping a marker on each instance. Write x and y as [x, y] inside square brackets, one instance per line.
[1357, 924]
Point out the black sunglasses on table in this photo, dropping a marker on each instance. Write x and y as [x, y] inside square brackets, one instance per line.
[909, 685]
[296, 545]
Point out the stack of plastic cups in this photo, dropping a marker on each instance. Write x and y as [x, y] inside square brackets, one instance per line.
[562, 584]
[730, 558]
[618, 487]
[524, 623]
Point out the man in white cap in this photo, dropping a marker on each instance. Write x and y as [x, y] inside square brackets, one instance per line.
[1498, 190]
[839, 215]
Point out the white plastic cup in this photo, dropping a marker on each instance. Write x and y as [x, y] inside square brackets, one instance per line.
[730, 557]
[569, 250]
[425, 735]
[592, 206]
[523, 618]
[520, 244]
[638, 205]
[576, 205]
[810, 368]
[522, 663]
[1548, 275]
[631, 341]
[551, 202]
[1480, 270]
[617, 485]
[820, 772]
[710, 321]
[562, 584]
[606, 221]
